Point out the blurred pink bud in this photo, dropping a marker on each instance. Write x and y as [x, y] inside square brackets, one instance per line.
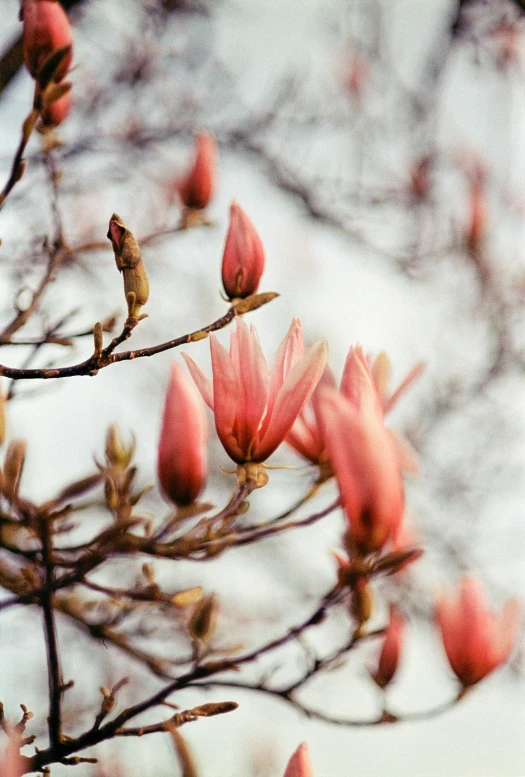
[182, 446]
[477, 217]
[476, 639]
[243, 258]
[54, 114]
[367, 468]
[254, 407]
[391, 648]
[420, 179]
[46, 29]
[357, 76]
[196, 187]
[299, 764]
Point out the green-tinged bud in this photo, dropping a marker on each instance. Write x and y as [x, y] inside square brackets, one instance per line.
[129, 262]
[118, 455]
[13, 466]
[98, 341]
[202, 623]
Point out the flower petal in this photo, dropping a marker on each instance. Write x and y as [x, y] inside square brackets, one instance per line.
[202, 381]
[225, 398]
[299, 764]
[291, 398]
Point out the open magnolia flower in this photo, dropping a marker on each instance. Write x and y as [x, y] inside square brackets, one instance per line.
[365, 385]
[476, 639]
[255, 407]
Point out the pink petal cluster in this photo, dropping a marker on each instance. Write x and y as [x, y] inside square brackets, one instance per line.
[46, 29]
[391, 648]
[255, 407]
[476, 639]
[361, 383]
[196, 187]
[182, 446]
[243, 258]
[299, 764]
[366, 465]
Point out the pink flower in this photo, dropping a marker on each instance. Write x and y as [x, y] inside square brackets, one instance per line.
[254, 407]
[46, 29]
[367, 468]
[182, 446]
[197, 186]
[391, 648]
[54, 114]
[243, 258]
[366, 386]
[299, 764]
[476, 639]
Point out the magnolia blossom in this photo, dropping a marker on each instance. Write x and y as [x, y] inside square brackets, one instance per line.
[366, 386]
[182, 446]
[390, 649]
[243, 258]
[46, 29]
[299, 764]
[256, 407]
[476, 639]
[367, 468]
[196, 187]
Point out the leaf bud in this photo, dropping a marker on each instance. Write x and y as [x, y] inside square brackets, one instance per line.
[13, 466]
[128, 259]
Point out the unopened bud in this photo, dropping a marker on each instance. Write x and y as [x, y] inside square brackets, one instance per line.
[118, 455]
[13, 466]
[202, 623]
[128, 259]
[197, 186]
[46, 32]
[243, 258]
[181, 463]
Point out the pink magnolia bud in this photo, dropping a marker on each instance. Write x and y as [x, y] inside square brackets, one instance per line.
[243, 258]
[366, 465]
[197, 186]
[476, 639]
[181, 463]
[46, 29]
[54, 114]
[299, 764]
[391, 649]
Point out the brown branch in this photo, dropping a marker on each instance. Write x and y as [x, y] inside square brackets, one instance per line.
[92, 737]
[56, 685]
[106, 357]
